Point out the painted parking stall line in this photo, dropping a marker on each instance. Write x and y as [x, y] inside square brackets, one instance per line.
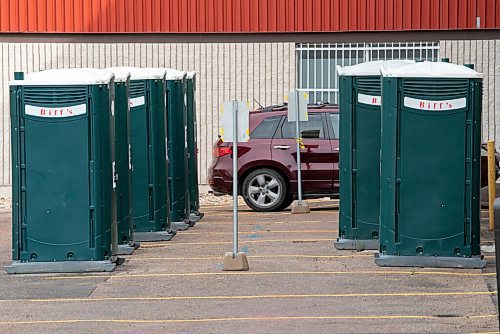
[295, 256]
[251, 319]
[166, 244]
[280, 273]
[276, 296]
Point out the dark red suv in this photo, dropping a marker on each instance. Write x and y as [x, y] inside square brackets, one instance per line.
[267, 162]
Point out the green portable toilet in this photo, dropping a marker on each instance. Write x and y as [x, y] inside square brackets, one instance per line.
[430, 166]
[123, 163]
[62, 153]
[192, 129]
[359, 153]
[178, 149]
[148, 153]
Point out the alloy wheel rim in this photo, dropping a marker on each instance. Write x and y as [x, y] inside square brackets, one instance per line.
[264, 190]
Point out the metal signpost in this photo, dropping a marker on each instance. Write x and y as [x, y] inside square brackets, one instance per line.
[297, 111]
[496, 234]
[234, 120]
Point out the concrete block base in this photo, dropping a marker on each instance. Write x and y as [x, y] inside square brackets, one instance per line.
[180, 226]
[300, 208]
[474, 262]
[18, 267]
[356, 244]
[154, 236]
[235, 263]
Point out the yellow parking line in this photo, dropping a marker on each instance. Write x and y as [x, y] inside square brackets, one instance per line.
[330, 295]
[252, 257]
[277, 318]
[275, 214]
[276, 273]
[263, 232]
[229, 222]
[206, 208]
[173, 243]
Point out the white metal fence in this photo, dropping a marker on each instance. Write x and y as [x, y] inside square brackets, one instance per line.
[317, 62]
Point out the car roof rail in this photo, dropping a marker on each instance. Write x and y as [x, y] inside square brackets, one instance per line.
[319, 105]
[284, 106]
[276, 107]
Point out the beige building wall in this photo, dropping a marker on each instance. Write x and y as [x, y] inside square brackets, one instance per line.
[485, 55]
[244, 71]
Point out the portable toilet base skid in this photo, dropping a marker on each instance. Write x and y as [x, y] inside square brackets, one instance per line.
[18, 267]
[195, 216]
[182, 225]
[350, 244]
[474, 262]
[128, 249]
[155, 236]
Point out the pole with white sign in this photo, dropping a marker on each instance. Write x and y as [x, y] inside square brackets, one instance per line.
[297, 111]
[235, 179]
[237, 113]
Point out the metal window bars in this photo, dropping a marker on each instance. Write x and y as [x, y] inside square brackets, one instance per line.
[317, 62]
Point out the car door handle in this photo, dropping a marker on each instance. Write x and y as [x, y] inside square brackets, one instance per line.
[282, 147]
[336, 149]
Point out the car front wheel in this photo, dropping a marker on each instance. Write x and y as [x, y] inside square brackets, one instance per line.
[264, 190]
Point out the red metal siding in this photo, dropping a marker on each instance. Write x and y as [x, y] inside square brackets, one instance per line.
[200, 16]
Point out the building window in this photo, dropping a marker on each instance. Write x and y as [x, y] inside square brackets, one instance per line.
[317, 62]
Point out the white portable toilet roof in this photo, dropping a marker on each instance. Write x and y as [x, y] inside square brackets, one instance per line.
[190, 75]
[370, 68]
[70, 76]
[174, 74]
[428, 69]
[139, 73]
[120, 76]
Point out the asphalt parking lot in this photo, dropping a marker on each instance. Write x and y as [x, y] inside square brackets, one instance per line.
[297, 283]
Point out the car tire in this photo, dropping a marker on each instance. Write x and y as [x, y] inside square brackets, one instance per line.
[287, 202]
[264, 190]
